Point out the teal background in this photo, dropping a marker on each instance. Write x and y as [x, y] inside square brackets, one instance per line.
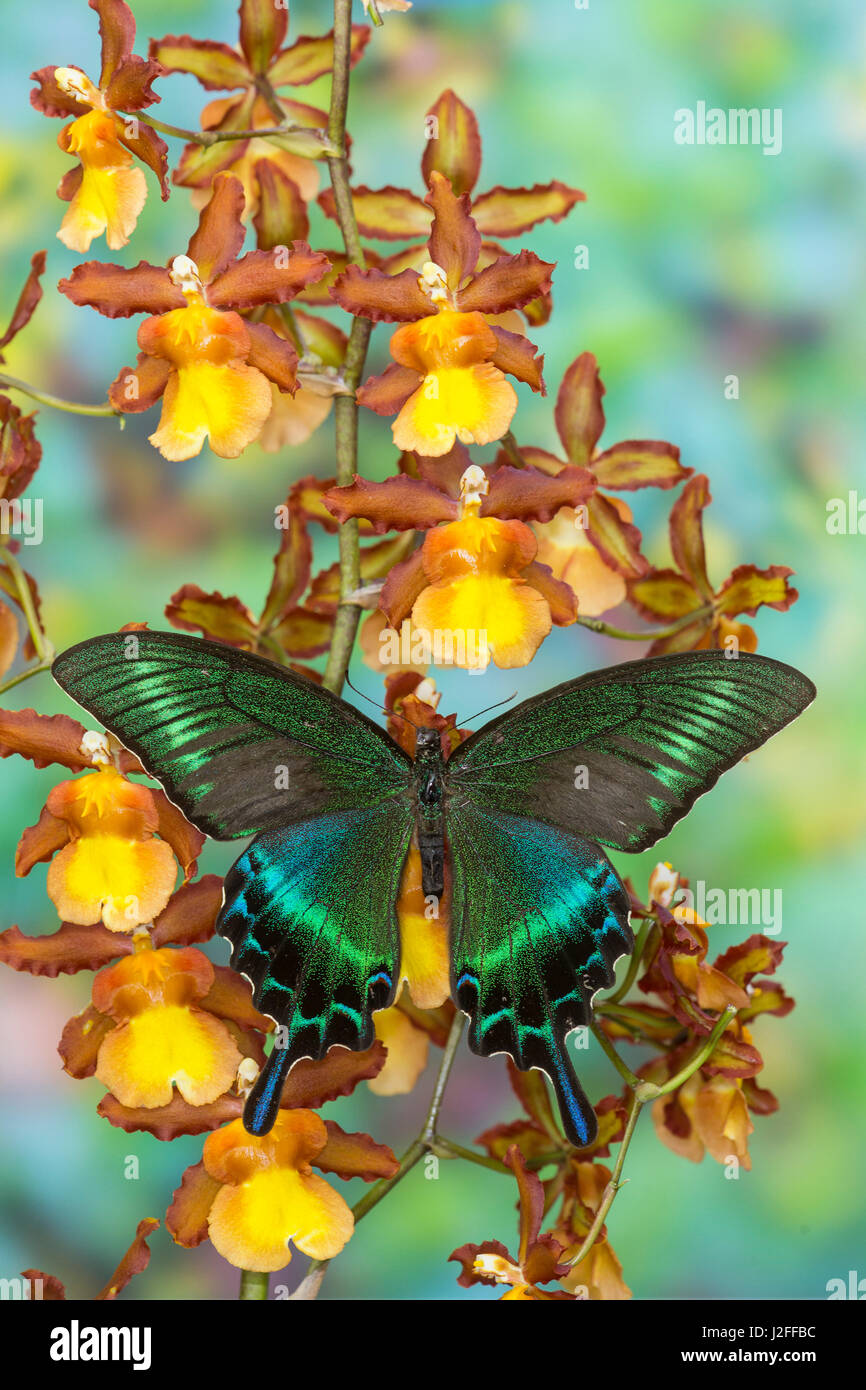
[703, 262]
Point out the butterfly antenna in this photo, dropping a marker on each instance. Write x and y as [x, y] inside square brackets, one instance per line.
[381, 708]
[506, 701]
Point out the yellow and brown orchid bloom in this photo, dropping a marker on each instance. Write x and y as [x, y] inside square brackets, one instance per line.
[453, 150]
[253, 1195]
[212, 369]
[476, 571]
[448, 380]
[539, 1257]
[596, 549]
[105, 190]
[261, 58]
[667, 594]
[114, 845]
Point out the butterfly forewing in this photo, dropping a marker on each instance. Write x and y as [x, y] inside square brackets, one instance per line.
[621, 755]
[239, 743]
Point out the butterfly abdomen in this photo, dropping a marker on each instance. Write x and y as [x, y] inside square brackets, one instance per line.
[429, 806]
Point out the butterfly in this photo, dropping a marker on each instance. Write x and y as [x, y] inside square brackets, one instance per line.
[524, 810]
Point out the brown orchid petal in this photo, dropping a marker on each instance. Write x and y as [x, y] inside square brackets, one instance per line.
[639, 463]
[355, 1156]
[404, 585]
[143, 141]
[536, 458]
[263, 32]
[747, 588]
[559, 597]
[756, 956]
[70, 183]
[400, 503]
[436, 1023]
[538, 311]
[319, 295]
[322, 338]
[185, 840]
[166, 1122]
[224, 619]
[309, 1085]
[410, 258]
[63, 952]
[617, 541]
[138, 388]
[382, 298]
[199, 165]
[220, 233]
[190, 916]
[27, 299]
[732, 1057]
[579, 413]
[511, 211]
[131, 87]
[466, 1256]
[376, 561]
[116, 33]
[507, 284]
[524, 495]
[760, 1101]
[455, 241]
[40, 842]
[46, 1288]
[532, 1141]
[687, 533]
[532, 1091]
[20, 450]
[136, 1259]
[542, 1263]
[309, 58]
[274, 356]
[81, 1039]
[519, 357]
[304, 632]
[50, 99]
[186, 1218]
[231, 997]
[453, 147]
[385, 214]
[217, 66]
[663, 594]
[445, 471]
[531, 1201]
[43, 738]
[293, 559]
[267, 277]
[117, 293]
[282, 213]
[388, 393]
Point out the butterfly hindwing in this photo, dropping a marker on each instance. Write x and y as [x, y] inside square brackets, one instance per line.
[239, 744]
[621, 755]
[311, 915]
[538, 920]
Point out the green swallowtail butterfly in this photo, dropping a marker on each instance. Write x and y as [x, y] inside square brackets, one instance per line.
[539, 916]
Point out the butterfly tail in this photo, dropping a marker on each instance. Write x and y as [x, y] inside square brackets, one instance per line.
[578, 1117]
[263, 1102]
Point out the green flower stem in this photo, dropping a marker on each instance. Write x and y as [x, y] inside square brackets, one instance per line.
[44, 649]
[253, 1285]
[206, 138]
[446, 1148]
[625, 635]
[24, 676]
[56, 402]
[634, 963]
[345, 407]
[613, 1056]
[643, 1093]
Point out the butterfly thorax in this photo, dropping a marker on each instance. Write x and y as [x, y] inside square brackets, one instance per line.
[429, 783]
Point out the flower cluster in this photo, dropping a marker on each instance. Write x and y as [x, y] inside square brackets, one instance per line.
[470, 547]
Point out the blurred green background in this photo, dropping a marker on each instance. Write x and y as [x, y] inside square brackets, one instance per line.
[703, 262]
